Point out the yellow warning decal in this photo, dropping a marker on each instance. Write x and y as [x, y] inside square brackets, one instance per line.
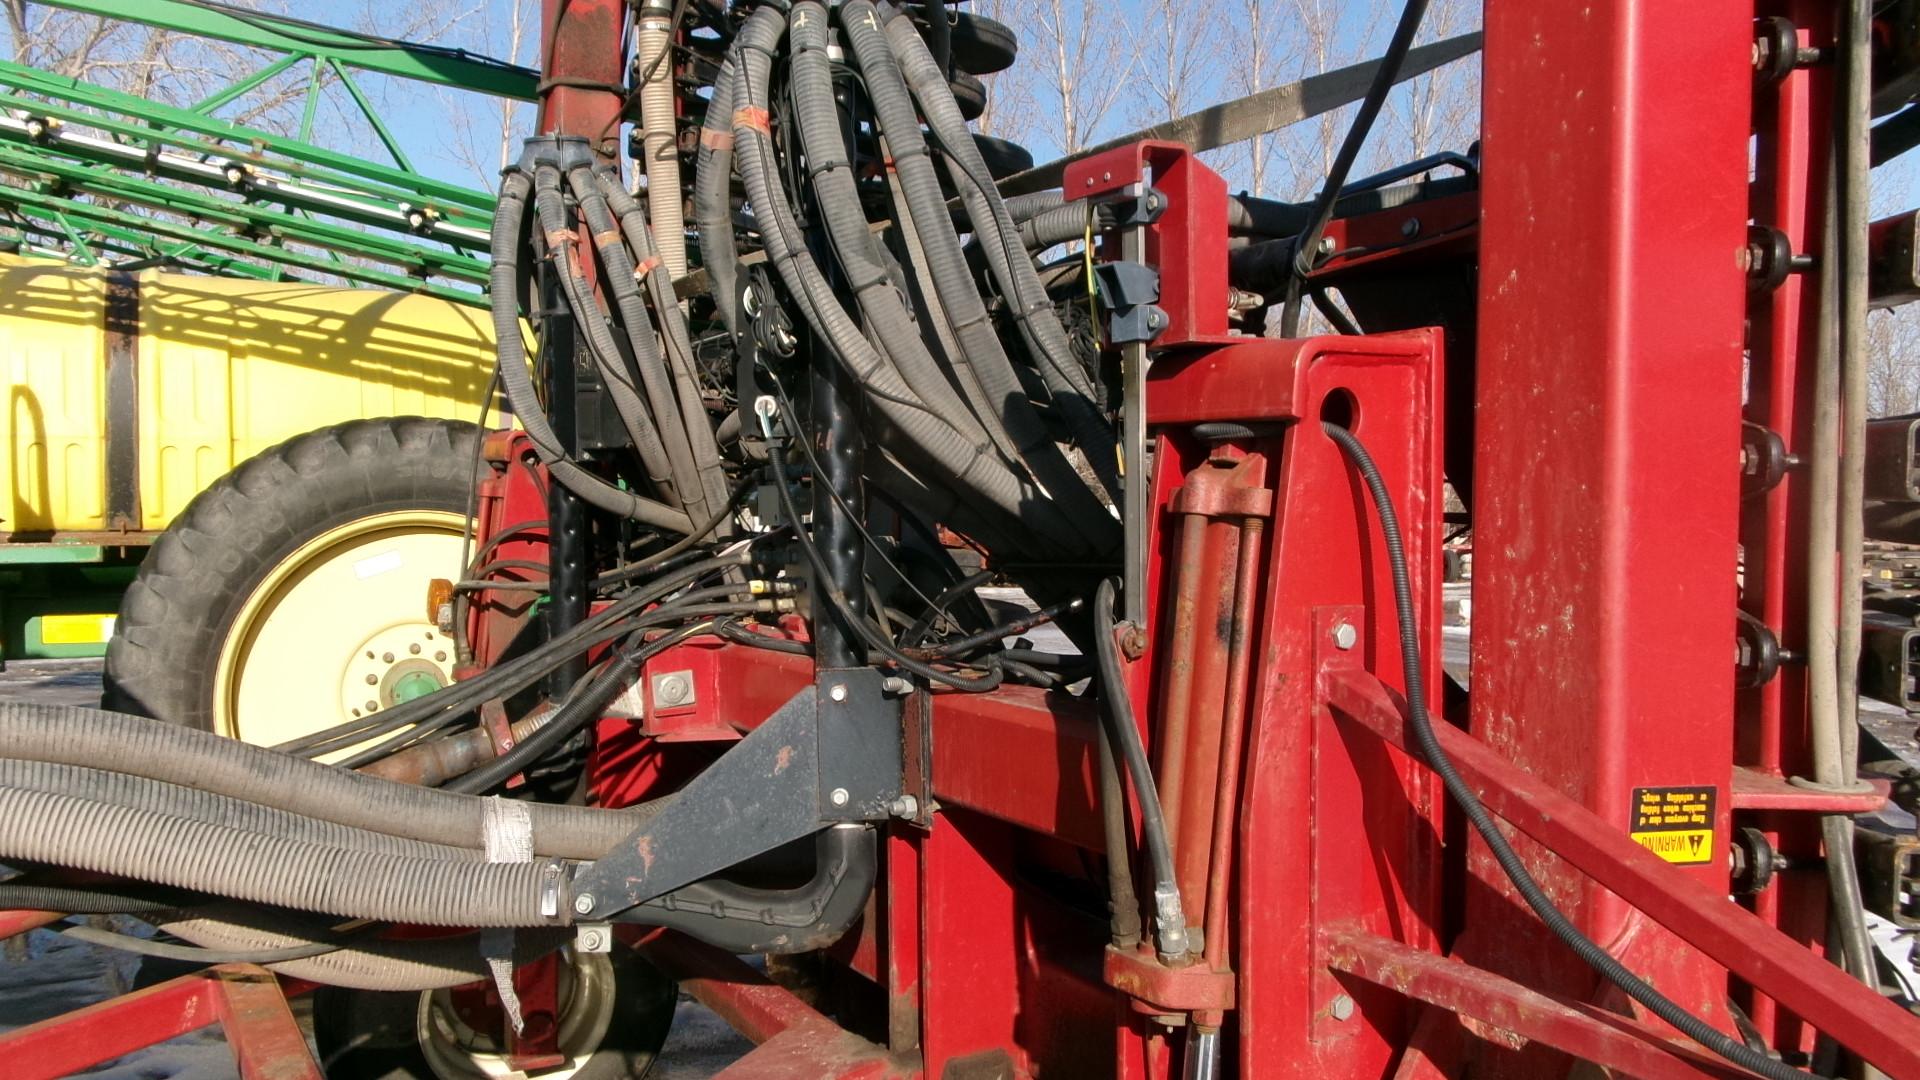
[1675, 823]
[76, 629]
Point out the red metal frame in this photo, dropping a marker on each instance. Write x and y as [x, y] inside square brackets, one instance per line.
[1350, 929]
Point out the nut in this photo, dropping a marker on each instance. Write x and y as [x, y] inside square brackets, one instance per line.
[583, 903]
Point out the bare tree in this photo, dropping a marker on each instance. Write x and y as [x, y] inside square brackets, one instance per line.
[1012, 111]
[1184, 40]
[1086, 61]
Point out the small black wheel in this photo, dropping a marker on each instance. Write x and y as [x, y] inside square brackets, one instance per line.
[980, 45]
[970, 94]
[291, 594]
[615, 1009]
[1003, 158]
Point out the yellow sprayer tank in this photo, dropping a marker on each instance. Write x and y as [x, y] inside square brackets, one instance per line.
[128, 393]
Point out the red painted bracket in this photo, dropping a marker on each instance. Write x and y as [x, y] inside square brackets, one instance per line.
[247, 1001]
[1855, 1016]
[1141, 976]
[1585, 1031]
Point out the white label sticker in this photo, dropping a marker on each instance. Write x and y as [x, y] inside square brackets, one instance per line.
[375, 565]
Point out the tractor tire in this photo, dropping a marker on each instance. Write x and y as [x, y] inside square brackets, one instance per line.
[239, 619]
[615, 1012]
[1002, 158]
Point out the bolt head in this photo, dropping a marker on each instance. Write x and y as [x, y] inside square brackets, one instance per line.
[838, 796]
[1345, 636]
[583, 903]
[1410, 228]
[906, 806]
[838, 692]
[1342, 1007]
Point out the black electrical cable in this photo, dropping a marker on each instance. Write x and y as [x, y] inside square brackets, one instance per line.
[583, 706]
[917, 633]
[1602, 962]
[104, 899]
[463, 696]
[1012, 628]
[1384, 78]
[684, 544]
[824, 587]
[1124, 730]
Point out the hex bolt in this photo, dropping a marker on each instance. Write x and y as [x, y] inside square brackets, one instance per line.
[906, 806]
[583, 903]
[894, 684]
[1342, 1007]
[838, 691]
[1345, 636]
[1410, 228]
[838, 796]
[591, 941]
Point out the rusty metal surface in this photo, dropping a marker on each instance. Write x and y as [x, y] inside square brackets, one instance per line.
[1722, 932]
[1141, 976]
[1514, 1011]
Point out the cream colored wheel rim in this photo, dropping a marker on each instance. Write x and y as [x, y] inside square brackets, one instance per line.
[296, 658]
[585, 1000]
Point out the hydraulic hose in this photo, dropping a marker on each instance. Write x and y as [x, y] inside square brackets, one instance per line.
[1305, 248]
[713, 199]
[746, 919]
[658, 412]
[1060, 224]
[502, 281]
[662, 143]
[1413, 673]
[680, 358]
[192, 804]
[1854, 170]
[1170, 920]
[984, 476]
[136, 745]
[838, 197]
[452, 702]
[824, 587]
[396, 964]
[354, 882]
[582, 707]
[1027, 299]
[981, 365]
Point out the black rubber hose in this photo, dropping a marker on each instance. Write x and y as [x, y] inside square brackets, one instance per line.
[713, 199]
[982, 366]
[582, 707]
[992, 484]
[1027, 299]
[141, 746]
[454, 701]
[648, 411]
[823, 587]
[1123, 906]
[1169, 918]
[1306, 245]
[1413, 672]
[502, 290]
[745, 919]
[351, 882]
[679, 344]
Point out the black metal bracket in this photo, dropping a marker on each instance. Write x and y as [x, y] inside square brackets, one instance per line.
[1129, 291]
[831, 754]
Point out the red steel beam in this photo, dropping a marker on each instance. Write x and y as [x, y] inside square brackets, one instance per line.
[1585, 1031]
[1863, 1021]
[266, 1043]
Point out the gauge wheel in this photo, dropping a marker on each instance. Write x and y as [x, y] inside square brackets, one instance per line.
[292, 594]
[614, 1012]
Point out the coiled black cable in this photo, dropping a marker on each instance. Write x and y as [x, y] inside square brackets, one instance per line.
[1412, 666]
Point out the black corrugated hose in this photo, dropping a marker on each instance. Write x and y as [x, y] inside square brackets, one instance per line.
[1602, 962]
